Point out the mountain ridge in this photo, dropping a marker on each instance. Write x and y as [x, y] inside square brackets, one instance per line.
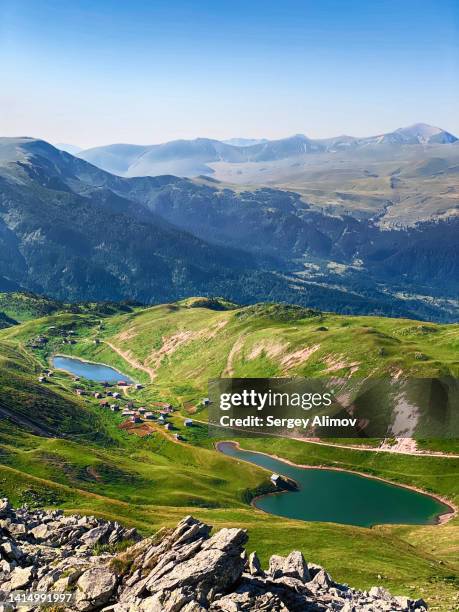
[75, 232]
[140, 160]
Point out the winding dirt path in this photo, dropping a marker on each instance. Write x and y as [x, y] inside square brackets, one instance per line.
[131, 361]
[365, 449]
[378, 449]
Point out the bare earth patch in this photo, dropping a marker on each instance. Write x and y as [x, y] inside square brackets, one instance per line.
[338, 362]
[127, 334]
[270, 348]
[172, 343]
[235, 349]
[298, 357]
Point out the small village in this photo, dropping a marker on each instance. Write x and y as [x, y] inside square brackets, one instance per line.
[140, 420]
[113, 396]
[158, 412]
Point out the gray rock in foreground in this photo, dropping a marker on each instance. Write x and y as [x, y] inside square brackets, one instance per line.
[181, 570]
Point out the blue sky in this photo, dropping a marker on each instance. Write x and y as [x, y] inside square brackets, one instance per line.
[97, 72]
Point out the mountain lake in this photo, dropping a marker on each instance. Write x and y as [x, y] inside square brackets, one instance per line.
[98, 372]
[340, 496]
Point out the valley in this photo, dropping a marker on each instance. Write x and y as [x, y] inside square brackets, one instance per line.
[75, 232]
[61, 448]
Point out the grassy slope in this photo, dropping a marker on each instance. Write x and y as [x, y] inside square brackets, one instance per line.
[154, 482]
[194, 344]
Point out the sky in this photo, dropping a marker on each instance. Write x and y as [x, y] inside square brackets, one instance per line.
[94, 72]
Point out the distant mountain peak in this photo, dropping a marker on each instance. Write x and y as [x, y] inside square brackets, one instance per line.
[420, 133]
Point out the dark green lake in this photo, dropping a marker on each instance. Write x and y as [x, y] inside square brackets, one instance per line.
[340, 497]
[98, 372]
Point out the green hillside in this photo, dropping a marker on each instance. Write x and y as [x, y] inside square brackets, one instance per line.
[179, 347]
[57, 448]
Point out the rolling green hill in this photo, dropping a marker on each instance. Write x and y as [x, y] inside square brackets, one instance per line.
[57, 448]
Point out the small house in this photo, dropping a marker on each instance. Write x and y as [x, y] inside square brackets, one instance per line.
[138, 386]
[76, 378]
[96, 341]
[142, 410]
[128, 413]
[116, 395]
[275, 479]
[97, 395]
[206, 401]
[103, 404]
[149, 415]
[122, 383]
[161, 419]
[188, 422]
[168, 426]
[114, 407]
[135, 418]
[41, 379]
[178, 436]
[164, 406]
[80, 391]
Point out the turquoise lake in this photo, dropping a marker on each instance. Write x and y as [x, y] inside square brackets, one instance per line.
[339, 496]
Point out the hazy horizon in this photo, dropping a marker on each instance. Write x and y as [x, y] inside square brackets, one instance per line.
[56, 144]
[104, 72]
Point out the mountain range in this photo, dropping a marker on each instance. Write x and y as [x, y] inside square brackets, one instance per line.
[75, 232]
[192, 157]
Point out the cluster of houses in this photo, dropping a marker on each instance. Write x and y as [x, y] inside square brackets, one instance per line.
[41, 341]
[159, 413]
[38, 342]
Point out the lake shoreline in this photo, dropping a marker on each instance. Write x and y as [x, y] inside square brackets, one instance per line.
[441, 519]
[95, 363]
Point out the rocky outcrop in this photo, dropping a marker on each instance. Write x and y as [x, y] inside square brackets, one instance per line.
[186, 569]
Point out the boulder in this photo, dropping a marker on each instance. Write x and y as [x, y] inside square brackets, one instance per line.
[213, 568]
[20, 578]
[322, 580]
[94, 588]
[276, 566]
[17, 530]
[94, 536]
[40, 532]
[296, 567]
